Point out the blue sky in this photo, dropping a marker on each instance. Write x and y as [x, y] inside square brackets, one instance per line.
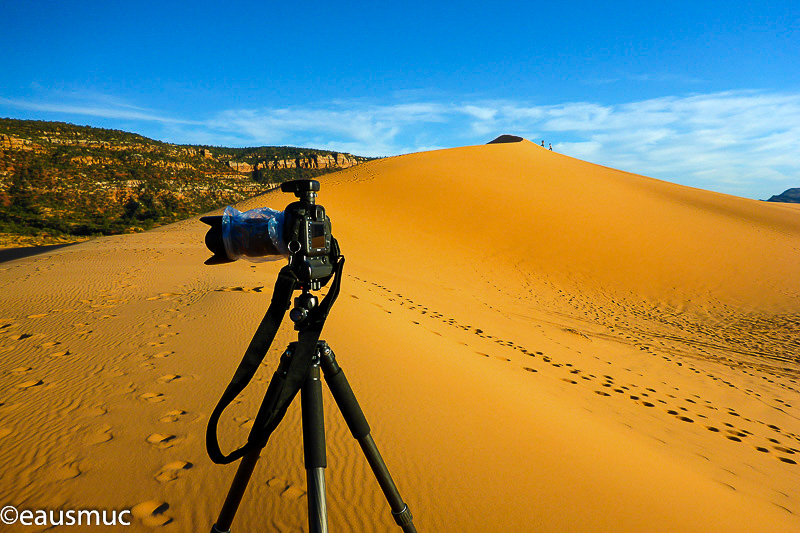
[705, 94]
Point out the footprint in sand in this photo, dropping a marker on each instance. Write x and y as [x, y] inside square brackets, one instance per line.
[61, 353]
[162, 441]
[20, 370]
[171, 471]
[786, 450]
[152, 397]
[684, 418]
[151, 513]
[172, 416]
[168, 378]
[244, 422]
[30, 384]
[161, 355]
[286, 489]
[93, 411]
[116, 372]
[67, 471]
[99, 435]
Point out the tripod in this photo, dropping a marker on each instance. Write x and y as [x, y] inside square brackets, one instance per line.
[314, 445]
[299, 369]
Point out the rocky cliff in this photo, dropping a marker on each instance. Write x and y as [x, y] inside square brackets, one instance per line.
[7, 142]
[62, 178]
[313, 161]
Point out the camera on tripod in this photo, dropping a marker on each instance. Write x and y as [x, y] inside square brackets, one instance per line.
[301, 232]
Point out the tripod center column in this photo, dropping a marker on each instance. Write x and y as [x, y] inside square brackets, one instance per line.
[314, 448]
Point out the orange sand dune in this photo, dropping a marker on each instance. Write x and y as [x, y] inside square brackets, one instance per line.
[539, 344]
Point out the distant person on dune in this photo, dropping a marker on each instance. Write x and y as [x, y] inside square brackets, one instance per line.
[551, 147]
[542, 143]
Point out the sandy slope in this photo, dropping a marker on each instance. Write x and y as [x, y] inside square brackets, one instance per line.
[538, 343]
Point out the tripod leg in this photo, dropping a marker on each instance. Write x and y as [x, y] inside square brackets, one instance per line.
[314, 450]
[359, 427]
[236, 492]
[249, 460]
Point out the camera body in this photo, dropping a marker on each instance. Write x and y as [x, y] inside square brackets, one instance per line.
[302, 232]
[307, 233]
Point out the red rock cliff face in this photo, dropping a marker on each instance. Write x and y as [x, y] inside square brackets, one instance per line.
[314, 161]
[7, 142]
[241, 167]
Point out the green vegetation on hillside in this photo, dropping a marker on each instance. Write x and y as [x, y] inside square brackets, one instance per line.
[60, 179]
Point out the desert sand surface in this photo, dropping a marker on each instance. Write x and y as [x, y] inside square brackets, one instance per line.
[538, 343]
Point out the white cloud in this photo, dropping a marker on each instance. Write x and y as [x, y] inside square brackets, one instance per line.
[94, 106]
[741, 142]
[731, 141]
[479, 112]
[365, 129]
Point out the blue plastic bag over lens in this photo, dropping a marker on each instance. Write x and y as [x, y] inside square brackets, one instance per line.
[249, 235]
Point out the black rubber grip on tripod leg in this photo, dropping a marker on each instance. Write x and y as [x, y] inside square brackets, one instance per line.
[348, 405]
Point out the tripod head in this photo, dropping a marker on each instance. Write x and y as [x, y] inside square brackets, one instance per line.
[306, 190]
[303, 304]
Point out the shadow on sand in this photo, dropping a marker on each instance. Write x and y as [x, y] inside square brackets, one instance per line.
[10, 254]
